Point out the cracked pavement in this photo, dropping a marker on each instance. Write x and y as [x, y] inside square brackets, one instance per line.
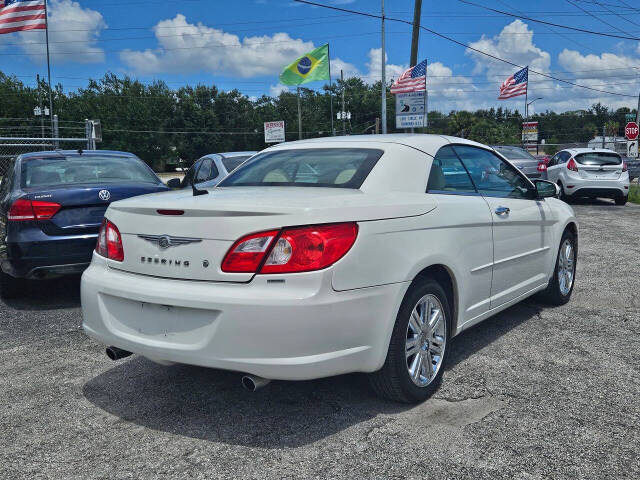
[532, 393]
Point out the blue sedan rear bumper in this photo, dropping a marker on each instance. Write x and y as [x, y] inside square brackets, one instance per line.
[46, 256]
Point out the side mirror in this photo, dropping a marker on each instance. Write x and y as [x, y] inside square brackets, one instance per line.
[174, 183]
[546, 189]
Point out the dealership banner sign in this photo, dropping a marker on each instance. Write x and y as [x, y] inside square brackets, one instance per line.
[274, 132]
[411, 109]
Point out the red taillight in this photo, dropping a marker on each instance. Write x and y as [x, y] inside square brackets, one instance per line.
[246, 255]
[23, 209]
[571, 165]
[297, 249]
[109, 244]
[542, 166]
[624, 166]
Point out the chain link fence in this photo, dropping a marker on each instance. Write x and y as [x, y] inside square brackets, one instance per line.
[11, 147]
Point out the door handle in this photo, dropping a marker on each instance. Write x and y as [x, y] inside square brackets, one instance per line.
[502, 211]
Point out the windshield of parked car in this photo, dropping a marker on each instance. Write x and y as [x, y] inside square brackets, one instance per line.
[84, 169]
[231, 163]
[308, 167]
[598, 158]
[515, 153]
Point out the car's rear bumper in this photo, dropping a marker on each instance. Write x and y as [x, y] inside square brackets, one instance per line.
[295, 330]
[52, 257]
[597, 188]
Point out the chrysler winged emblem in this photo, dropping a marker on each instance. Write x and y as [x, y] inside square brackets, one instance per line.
[166, 241]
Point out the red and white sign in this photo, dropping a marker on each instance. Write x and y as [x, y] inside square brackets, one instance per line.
[631, 130]
[274, 132]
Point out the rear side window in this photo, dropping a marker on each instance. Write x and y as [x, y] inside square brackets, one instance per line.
[448, 175]
[231, 163]
[203, 170]
[598, 158]
[308, 167]
[85, 169]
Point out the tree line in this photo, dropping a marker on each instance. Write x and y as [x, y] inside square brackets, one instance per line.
[162, 125]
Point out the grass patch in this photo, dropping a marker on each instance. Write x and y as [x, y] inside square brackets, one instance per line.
[634, 193]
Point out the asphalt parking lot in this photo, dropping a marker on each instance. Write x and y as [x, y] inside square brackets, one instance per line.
[532, 393]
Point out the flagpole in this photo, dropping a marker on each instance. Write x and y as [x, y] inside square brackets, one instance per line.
[299, 115]
[46, 30]
[330, 89]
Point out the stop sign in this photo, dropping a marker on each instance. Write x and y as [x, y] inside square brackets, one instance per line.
[631, 130]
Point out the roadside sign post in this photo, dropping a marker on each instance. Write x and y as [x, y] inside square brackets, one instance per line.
[631, 131]
[632, 148]
[274, 132]
[411, 109]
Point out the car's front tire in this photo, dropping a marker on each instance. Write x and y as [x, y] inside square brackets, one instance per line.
[419, 346]
[561, 284]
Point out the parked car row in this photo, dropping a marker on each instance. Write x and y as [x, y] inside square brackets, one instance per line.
[308, 259]
[579, 172]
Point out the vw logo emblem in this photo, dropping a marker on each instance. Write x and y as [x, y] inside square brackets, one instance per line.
[164, 242]
[104, 195]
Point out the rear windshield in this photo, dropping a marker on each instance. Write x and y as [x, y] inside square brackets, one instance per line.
[85, 169]
[309, 167]
[598, 158]
[515, 153]
[231, 163]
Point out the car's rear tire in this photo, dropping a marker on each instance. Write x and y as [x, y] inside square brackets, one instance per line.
[563, 195]
[621, 200]
[561, 284]
[10, 287]
[406, 376]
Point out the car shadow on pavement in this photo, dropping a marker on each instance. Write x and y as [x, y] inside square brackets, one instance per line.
[55, 294]
[211, 405]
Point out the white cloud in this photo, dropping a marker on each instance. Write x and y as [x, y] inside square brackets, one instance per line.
[513, 43]
[73, 35]
[187, 47]
[275, 90]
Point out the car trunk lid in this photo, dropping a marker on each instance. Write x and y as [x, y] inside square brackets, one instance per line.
[83, 206]
[599, 166]
[191, 245]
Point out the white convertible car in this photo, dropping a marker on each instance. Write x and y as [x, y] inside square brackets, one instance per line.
[327, 256]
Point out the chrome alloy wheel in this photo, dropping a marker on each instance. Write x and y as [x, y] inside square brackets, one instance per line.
[566, 267]
[426, 340]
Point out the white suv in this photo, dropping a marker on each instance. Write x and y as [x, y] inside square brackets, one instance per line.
[587, 172]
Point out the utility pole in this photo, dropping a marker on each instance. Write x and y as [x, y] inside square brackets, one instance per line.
[343, 113]
[415, 35]
[638, 113]
[603, 132]
[383, 112]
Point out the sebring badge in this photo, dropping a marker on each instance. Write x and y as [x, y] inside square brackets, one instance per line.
[104, 195]
[166, 241]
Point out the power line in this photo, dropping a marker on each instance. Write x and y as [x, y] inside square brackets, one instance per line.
[464, 45]
[596, 17]
[612, 35]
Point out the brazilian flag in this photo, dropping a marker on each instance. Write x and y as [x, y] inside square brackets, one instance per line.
[308, 68]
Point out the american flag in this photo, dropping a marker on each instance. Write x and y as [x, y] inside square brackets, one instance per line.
[413, 80]
[18, 15]
[515, 85]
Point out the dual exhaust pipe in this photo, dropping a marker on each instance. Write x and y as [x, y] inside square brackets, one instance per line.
[249, 382]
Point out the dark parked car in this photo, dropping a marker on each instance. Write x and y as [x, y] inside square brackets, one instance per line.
[51, 208]
[633, 167]
[523, 160]
[211, 169]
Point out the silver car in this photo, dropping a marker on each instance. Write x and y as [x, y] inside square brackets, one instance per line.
[211, 169]
[521, 159]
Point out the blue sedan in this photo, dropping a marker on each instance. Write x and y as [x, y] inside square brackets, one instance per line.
[51, 208]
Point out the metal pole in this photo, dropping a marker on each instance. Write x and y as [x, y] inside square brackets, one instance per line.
[638, 112]
[333, 132]
[299, 115]
[55, 134]
[603, 132]
[342, 114]
[383, 112]
[40, 104]
[46, 32]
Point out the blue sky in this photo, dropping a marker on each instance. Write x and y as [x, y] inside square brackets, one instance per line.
[244, 43]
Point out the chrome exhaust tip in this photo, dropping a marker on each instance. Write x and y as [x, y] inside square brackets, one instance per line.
[253, 383]
[115, 353]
